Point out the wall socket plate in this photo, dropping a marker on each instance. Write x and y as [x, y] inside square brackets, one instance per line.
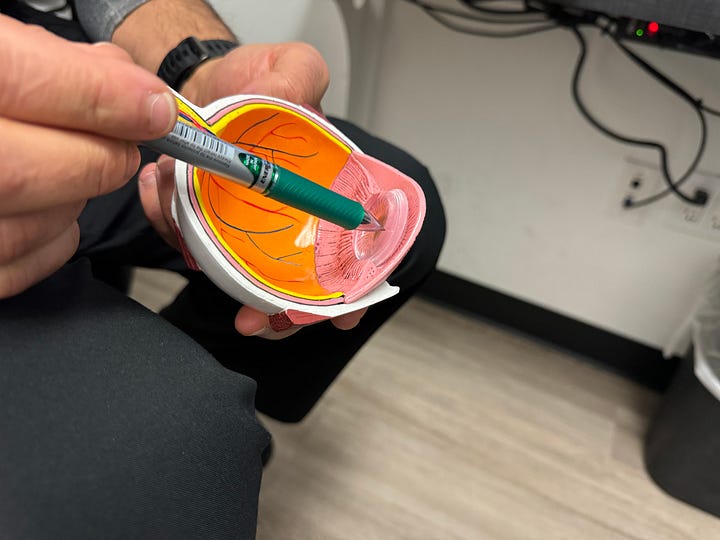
[640, 180]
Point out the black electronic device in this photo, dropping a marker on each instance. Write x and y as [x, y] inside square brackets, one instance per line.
[694, 15]
[691, 26]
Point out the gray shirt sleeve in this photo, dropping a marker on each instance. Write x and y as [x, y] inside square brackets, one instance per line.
[99, 18]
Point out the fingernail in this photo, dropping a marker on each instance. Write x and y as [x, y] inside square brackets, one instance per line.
[165, 166]
[162, 112]
[147, 176]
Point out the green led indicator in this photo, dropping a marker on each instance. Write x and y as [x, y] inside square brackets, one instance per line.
[639, 32]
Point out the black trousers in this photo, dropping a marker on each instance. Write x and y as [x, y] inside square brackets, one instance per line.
[116, 422]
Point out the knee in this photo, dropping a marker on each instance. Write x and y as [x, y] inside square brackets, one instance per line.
[432, 235]
[422, 258]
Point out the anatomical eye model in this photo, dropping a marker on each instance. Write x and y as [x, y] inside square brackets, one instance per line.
[273, 257]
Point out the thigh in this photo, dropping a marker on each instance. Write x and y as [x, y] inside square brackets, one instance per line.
[113, 424]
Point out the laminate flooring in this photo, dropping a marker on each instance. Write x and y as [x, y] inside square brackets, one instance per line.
[449, 427]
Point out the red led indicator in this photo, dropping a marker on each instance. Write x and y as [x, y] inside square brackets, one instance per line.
[653, 27]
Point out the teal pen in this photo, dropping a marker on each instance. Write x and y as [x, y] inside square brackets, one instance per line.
[208, 152]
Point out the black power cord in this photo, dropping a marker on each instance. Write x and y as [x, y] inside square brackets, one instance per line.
[482, 33]
[709, 110]
[672, 185]
[479, 17]
[444, 15]
[554, 17]
[477, 5]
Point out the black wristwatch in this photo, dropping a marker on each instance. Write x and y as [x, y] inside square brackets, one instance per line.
[180, 62]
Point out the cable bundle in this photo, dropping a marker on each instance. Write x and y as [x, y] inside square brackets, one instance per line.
[529, 17]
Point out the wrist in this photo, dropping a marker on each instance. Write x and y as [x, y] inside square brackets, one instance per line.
[197, 87]
[190, 55]
[149, 32]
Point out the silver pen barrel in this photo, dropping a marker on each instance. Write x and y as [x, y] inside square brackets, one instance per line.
[204, 151]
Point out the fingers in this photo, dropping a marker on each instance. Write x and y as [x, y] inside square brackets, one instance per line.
[44, 167]
[50, 81]
[156, 185]
[250, 322]
[272, 335]
[25, 233]
[292, 71]
[67, 114]
[109, 50]
[18, 274]
[165, 176]
[349, 320]
[301, 74]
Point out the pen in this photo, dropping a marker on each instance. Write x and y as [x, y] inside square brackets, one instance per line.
[208, 152]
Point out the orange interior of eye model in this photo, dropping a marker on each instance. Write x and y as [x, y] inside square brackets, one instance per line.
[273, 242]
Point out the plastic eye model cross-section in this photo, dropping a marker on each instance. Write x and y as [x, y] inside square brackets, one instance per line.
[293, 266]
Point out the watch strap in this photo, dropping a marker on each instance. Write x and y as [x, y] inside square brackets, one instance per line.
[183, 60]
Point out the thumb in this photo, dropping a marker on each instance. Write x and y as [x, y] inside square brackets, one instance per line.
[298, 73]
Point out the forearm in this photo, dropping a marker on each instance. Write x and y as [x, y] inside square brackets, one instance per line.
[154, 28]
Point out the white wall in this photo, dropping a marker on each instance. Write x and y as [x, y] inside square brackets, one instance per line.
[531, 190]
[317, 22]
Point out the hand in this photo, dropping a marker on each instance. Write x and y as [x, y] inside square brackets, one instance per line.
[67, 114]
[294, 71]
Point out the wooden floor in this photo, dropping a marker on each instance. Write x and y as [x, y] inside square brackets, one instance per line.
[447, 427]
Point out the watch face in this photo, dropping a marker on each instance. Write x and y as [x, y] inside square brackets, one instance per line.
[277, 258]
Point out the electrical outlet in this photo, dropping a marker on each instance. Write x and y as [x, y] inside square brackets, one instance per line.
[641, 180]
[638, 181]
[710, 225]
[691, 219]
[684, 217]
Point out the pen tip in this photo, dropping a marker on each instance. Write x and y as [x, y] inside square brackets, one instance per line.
[370, 223]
